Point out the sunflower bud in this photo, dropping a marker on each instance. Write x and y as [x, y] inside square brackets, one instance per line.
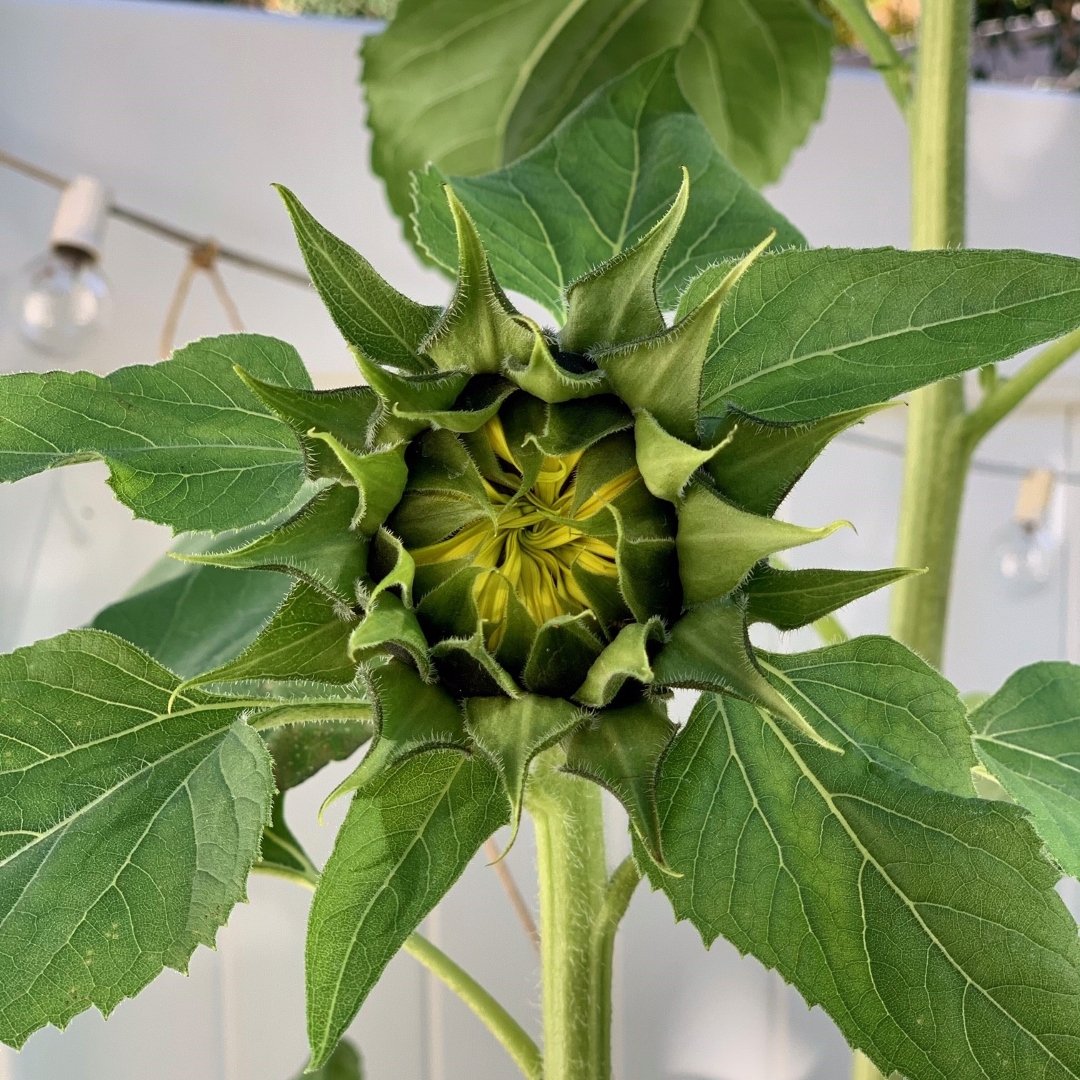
[542, 534]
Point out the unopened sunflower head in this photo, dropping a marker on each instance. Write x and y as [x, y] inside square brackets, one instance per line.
[547, 535]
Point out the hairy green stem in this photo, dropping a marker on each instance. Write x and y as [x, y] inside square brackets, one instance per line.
[879, 46]
[935, 471]
[572, 873]
[1006, 394]
[938, 454]
[513, 1037]
[937, 457]
[617, 897]
[308, 712]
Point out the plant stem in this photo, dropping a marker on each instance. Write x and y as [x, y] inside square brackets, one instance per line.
[1007, 394]
[617, 896]
[286, 713]
[894, 69]
[938, 454]
[514, 1039]
[575, 981]
[937, 457]
[935, 470]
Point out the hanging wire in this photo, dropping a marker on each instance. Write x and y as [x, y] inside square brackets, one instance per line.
[163, 229]
[201, 259]
[221, 252]
[978, 465]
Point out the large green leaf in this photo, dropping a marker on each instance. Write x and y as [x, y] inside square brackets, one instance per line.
[1028, 736]
[876, 696]
[186, 442]
[126, 831]
[552, 216]
[472, 84]
[198, 618]
[926, 923]
[808, 334]
[756, 73]
[407, 838]
[193, 619]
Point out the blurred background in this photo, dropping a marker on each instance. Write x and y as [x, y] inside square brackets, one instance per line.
[188, 112]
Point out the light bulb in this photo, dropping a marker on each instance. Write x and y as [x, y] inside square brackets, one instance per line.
[61, 299]
[1028, 556]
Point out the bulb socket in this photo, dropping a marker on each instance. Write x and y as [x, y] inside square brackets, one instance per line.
[79, 224]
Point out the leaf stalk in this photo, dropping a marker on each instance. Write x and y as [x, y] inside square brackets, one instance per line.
[886, 58]
[1008, 393]
[617, 896]
[510, 1034]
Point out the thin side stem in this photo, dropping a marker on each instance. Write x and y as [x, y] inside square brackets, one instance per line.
[507, 1031]
[572, 873]
[886, 58]
[511, 1035]
[1006, 394]
[617, 897]
[307, 712]
[937, 457]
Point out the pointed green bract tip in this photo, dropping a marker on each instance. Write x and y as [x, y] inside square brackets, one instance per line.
[480, 330]
[617, 300]
[666, 462]
[663, 373]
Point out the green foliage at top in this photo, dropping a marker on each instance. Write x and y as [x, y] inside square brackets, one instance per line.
[438, 92]
[552, 216]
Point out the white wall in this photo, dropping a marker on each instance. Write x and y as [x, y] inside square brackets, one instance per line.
[190, 113]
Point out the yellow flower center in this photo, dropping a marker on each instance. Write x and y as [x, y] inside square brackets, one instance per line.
[531, 545]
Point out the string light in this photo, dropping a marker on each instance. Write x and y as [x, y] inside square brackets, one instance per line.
[163, 229]
[1028, 549]
[61, 299]
[978, 465]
